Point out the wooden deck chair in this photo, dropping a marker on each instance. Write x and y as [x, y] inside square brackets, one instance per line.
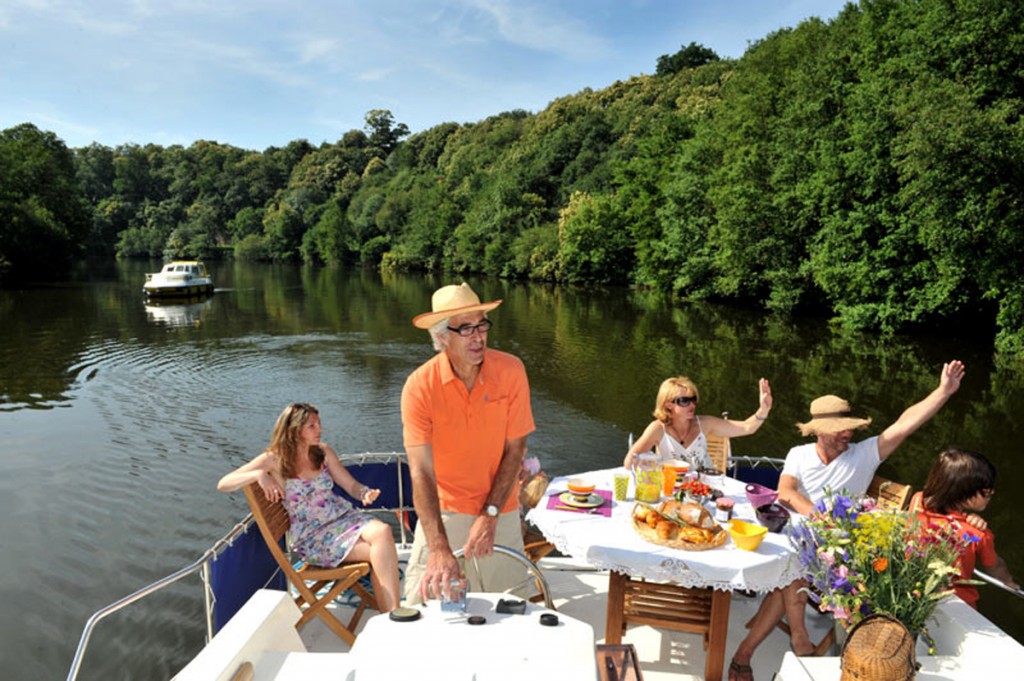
[535, 545]
[889, 494]
[719, 451]
[272, 519]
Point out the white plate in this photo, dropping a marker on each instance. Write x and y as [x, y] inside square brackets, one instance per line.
[592, 501]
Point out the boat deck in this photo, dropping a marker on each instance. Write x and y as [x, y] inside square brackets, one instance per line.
[581, 592]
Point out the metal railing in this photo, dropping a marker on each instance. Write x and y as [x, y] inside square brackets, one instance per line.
[201, 565]
[1019, 593]
[538, 576]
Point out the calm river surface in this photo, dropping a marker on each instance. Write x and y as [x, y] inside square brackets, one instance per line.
[117, 418]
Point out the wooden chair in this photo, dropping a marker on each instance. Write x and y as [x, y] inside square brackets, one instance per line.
[272, 519]
[889, 494]
[719, 451]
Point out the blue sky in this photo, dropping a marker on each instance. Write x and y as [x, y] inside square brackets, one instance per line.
[260, 73]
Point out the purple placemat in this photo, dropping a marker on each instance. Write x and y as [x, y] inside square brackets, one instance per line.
[605, 509]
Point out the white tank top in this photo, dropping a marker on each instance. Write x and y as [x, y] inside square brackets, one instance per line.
[697, 453]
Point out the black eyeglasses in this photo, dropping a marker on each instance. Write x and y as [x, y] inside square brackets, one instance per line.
[685, 401]
[988, 493]
[466, 330]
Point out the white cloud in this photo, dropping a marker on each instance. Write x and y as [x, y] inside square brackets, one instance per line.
[542, 27]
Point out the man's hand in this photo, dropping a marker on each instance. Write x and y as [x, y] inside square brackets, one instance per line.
[480, 542]
[442, 568]
[952, 374]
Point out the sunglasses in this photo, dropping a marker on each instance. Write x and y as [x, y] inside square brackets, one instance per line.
[685, 401]
[988, 493]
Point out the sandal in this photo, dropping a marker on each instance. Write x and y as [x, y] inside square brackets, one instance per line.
[740, 672]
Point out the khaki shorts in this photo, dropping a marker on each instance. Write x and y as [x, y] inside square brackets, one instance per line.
[497, 572]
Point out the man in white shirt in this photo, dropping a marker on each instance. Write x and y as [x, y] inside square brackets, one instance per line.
[832, 462]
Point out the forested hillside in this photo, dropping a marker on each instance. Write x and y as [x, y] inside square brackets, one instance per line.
[871, 166]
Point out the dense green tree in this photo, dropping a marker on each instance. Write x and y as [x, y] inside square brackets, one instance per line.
[382, 132]
[868, 167]
[688, 57]
[44, 219]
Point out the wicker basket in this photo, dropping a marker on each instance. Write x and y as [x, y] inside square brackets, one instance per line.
[718, 536]
[878, 648]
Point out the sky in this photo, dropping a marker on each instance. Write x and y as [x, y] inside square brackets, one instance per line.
[262, 73]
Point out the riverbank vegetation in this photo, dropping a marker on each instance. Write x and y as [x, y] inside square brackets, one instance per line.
[869, 166]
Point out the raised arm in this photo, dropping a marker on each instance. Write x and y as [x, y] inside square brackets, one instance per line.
[730, 428]
[918, 414]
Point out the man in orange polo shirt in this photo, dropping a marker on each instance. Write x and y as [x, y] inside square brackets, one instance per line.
[465, 419]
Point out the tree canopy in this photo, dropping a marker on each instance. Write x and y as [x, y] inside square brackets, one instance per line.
[869, 167]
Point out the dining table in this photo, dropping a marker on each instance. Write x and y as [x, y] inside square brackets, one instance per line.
[688, 590]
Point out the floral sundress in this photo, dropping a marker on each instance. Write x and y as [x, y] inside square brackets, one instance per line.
[324, 525]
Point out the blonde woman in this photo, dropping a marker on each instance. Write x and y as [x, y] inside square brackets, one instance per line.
[679, 433]
[300, 471]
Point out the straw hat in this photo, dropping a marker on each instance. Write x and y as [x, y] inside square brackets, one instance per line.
[878, 648]
[450, 301]
[831, 414]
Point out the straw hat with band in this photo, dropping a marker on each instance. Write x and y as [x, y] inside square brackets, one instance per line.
[451, 301]
[831, 414]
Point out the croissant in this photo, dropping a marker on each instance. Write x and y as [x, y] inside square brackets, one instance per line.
[691, 514]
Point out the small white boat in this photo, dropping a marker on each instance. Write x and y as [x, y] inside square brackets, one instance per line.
[179, 279]
[259, 640]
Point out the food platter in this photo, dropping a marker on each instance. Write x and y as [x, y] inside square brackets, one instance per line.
[592, 501]
[676, 538]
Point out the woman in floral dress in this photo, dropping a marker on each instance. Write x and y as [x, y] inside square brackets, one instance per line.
[300, 471]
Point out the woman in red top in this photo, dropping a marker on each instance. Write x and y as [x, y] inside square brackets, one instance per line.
[962, 483]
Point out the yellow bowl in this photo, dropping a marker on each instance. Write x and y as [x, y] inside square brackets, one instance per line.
[746, 535]
[580, 488]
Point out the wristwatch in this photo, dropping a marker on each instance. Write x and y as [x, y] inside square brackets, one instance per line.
[491, 511]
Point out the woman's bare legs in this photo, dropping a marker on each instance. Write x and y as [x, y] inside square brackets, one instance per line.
[377, 545]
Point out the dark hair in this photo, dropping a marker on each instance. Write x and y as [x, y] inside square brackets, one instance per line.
[956, 476]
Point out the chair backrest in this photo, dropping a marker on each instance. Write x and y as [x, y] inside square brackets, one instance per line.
[719, 450]
[273, 521]
[889, 494]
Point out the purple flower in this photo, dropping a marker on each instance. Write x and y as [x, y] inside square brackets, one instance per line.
[843, 508]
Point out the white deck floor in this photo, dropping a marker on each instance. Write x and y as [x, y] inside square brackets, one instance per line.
[580, 592]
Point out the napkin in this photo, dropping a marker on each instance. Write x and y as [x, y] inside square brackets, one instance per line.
[604, 509]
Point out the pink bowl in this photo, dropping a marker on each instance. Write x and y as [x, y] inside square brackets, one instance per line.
[759, 495]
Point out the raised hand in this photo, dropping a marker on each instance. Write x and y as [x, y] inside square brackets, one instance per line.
[952, 373]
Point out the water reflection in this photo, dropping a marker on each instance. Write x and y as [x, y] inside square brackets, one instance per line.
[179, 311]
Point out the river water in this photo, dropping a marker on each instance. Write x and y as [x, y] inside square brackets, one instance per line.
[118, 417]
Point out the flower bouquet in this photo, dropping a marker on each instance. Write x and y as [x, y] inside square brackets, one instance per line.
[861, 560]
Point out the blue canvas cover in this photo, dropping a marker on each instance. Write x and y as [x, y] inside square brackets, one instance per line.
[239, 571]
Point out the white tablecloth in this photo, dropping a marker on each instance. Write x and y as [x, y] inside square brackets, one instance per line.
[613, 544]
[441, 645]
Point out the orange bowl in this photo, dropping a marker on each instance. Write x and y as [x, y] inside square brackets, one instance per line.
[747, 536]
[580, 488]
